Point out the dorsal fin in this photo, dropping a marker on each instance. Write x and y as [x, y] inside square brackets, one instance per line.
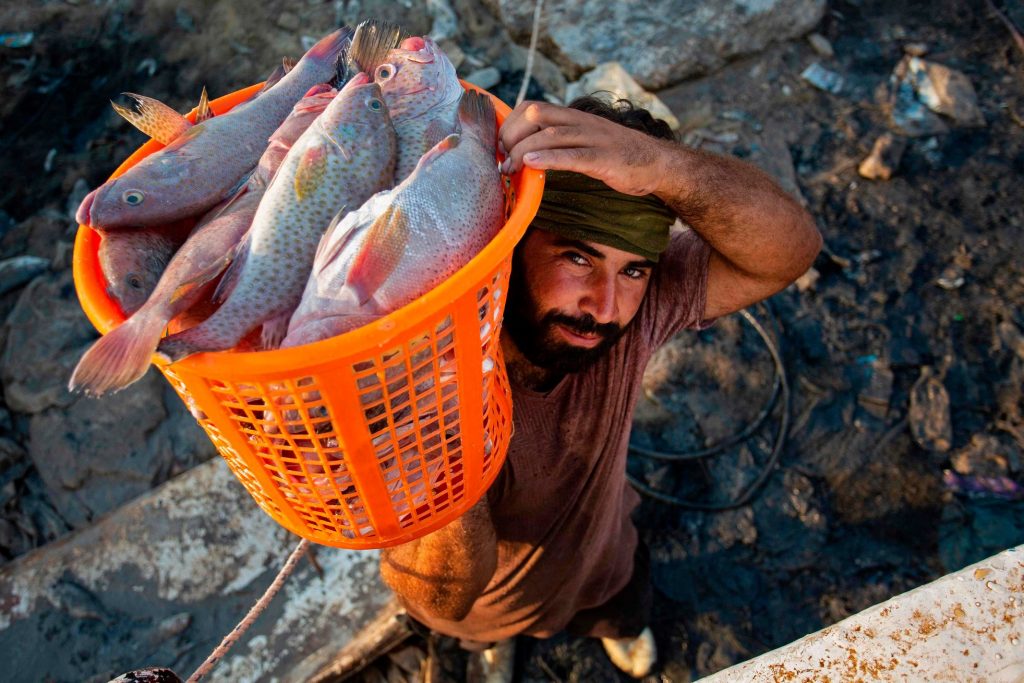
[154, 118]
[372, 41]
[476, 111]
[203, 111]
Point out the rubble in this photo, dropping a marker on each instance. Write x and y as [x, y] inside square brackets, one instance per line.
[613, 78]
[884, 159]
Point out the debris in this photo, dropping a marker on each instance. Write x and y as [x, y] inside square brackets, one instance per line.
[808, 280]
[884, 159]
[917, 84]
[993, 487]
[148, 65]
[23, 39]
[485, 78]
[875, 397]
[929, 417]
[915, 49]
[952, 277]
[185, 20]
[614, 78]
[823, 79]
[48, 162]
[821, 45]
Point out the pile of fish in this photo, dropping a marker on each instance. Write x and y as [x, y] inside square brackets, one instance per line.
[323, 203]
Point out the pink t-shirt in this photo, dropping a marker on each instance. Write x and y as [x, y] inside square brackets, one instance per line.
[561, 505]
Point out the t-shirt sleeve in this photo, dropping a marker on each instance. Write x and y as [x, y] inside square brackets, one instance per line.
[678, 290]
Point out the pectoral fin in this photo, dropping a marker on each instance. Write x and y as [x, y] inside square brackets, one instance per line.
[154, 118]
[310, 172]
[383, 247]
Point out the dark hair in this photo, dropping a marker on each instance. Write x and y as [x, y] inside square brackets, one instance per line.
[624, 113]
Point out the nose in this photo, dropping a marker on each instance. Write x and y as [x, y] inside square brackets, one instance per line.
[600, 300]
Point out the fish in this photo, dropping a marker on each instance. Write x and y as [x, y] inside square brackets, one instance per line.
[207, 163]
[132, 262]
[346, 156]
[122, 356]
[422, 92]
[407, 240]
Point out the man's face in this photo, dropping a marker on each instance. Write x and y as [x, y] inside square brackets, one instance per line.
[569, 301]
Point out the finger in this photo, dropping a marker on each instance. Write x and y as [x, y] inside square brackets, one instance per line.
[578, 159]
[556, 137]
[530, 117]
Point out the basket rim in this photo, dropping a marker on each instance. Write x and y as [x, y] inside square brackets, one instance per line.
[105, 314]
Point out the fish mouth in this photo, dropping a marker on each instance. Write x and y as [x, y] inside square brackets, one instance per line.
[414, 43]
[84, 213]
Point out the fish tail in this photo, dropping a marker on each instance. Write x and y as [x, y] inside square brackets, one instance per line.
[372, 41]
[477, 112]
[119, 357]
[330, 48]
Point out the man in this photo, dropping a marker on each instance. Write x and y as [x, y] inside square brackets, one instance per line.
[598, 284]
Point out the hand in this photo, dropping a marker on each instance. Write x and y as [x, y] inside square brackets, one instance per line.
[549, 137]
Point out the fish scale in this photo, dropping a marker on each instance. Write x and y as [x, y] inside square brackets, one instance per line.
[275, 262]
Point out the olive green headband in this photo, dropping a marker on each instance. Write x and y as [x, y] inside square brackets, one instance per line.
[581, 208]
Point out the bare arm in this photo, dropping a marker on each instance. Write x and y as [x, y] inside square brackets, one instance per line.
[761, 238]
[443, 573]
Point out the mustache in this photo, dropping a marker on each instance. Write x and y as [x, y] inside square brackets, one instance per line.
[584, 324]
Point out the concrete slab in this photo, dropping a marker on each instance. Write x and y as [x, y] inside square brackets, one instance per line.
[162, 579]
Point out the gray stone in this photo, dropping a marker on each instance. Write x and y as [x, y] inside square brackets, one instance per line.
[821, 45]
[660, 42]
[485, 78]
[945, 91]
[14, 272]
[163, 579]
[611, 77]
[929, 415]
[823, 79]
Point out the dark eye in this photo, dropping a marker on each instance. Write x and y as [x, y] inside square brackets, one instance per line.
[133, 197]
[134, 281]
[385, 71]
[634, 273]
[375, 104]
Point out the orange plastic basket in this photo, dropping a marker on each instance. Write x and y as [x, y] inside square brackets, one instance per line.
[372, 438]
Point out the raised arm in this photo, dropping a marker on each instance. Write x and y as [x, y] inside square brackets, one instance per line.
[443, 573]
[761, 238]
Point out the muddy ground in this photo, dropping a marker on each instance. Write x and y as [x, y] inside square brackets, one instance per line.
[921, 276]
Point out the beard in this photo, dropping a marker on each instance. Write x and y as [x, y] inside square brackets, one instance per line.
[534, 334]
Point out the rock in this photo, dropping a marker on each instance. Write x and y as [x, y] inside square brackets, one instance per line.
[884, 159]
[915, 49]
[945, 91]
[1011, 337]
[987, 456]
[46, 334]
[666, 41]
[929, 415]
[512, 58]
[445, 24]
[952, 277]
[821, 45]
[288, 21]
[823, 79]
[918, 90]
[454, 53]
[166, 576]
[877, 393]
[611, 76]
[485, 78]
[14, 272]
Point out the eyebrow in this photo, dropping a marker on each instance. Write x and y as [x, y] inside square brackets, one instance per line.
[587, 249]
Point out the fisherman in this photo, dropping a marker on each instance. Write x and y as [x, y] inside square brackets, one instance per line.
[600, 281]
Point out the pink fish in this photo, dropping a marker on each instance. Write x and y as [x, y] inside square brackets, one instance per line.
[205, 163]
[422, 92]
[132, 261]
[405, 241]
[345, 157]
[122, 355]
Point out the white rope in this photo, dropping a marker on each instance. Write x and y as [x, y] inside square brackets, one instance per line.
[256, 610]
[533, 50]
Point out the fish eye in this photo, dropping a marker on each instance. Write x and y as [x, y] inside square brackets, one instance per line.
[385, 71]
[375, 104]
[133, 197]
[134, 281]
